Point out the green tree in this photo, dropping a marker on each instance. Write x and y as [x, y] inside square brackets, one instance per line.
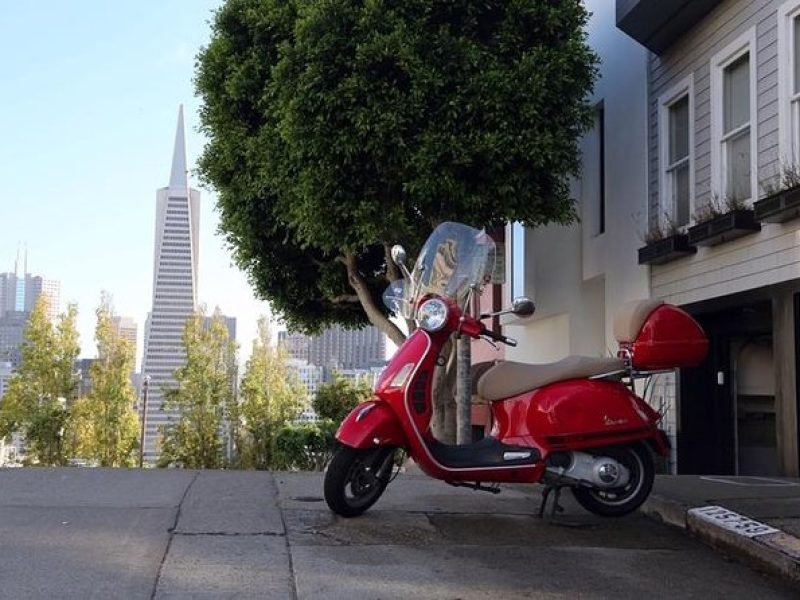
[271, 397]
[339, 127]
[106, 422]
[336, 399]
[40, 395]
[203, 395]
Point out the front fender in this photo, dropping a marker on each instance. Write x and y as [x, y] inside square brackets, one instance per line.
[371, 424]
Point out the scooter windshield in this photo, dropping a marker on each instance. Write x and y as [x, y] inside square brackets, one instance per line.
[453, 259]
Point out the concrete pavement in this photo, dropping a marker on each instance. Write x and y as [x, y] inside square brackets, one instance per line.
[100, 533]
[756, 519]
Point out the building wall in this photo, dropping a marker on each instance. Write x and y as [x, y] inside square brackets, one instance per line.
[772, 255]
[577, 276]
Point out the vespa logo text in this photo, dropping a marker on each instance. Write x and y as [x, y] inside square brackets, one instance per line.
[609, 422]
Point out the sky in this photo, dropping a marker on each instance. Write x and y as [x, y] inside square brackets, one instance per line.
[89, 97]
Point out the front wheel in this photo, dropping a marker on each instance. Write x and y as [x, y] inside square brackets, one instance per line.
[356, 478]
[616, 502]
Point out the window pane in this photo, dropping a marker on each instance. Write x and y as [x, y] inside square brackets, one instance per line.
[679, 130]
[680, 194]
[738, 159]
[736, 90]
[796, 22]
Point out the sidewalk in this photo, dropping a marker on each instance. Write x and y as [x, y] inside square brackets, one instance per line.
[754, 518]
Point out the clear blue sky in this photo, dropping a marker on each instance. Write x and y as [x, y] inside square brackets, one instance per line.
[89, 93]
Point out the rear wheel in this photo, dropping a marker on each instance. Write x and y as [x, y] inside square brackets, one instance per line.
[356, 478]
[616, 502]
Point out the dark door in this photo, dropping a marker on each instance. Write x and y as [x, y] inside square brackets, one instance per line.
[707, 428]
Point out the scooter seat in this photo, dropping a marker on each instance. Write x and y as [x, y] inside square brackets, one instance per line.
[508, 378]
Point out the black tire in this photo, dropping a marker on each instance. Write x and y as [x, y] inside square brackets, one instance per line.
[617, 502]
[355, 479]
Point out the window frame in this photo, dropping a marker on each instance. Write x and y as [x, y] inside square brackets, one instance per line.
[683, 89]
[789, 102]
[744, 44]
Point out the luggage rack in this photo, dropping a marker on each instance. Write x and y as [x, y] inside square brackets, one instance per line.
[632, 374]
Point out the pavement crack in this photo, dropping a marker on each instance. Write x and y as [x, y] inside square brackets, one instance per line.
[231, 533]
[172, 534]
[292, 575]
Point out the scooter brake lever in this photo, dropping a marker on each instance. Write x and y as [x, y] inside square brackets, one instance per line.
[491, 343]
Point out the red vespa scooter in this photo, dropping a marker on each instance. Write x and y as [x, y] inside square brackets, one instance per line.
[575, 423]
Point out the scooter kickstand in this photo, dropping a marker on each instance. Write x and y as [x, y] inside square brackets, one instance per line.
[556, 507]
[545, 495]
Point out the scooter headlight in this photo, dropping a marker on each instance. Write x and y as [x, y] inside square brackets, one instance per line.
[432, 314]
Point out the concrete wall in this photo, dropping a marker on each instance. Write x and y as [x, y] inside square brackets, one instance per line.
[577, 276]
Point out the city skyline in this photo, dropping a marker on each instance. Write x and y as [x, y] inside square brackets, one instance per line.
[85, 145]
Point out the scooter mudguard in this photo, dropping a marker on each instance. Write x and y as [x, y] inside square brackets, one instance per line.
[371, 424]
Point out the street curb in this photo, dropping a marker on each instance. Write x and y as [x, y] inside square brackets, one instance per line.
[763, 546]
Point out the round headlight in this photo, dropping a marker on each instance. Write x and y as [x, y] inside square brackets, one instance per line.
[432, 315]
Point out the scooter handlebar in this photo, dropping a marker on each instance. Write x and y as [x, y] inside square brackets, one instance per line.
[498, 337]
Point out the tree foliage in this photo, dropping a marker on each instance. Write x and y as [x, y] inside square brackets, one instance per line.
[271, 397]
[304, 446]
[202, 397]
[336, 399]
[40, 395]
[339, 127]
[106, 423]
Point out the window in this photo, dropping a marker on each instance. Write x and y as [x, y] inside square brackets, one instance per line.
[789, 81]
[732, 105]
[736, 127]
[677, 140]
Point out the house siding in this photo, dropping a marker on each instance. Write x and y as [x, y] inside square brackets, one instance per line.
[764, 258]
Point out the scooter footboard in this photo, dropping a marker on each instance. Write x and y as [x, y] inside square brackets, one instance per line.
[371, 424]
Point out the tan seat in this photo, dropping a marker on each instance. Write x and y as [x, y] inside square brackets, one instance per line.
[507, 379]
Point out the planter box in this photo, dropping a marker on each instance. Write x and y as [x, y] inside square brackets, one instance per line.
[666, 250]
[779, 207]
[724, 228]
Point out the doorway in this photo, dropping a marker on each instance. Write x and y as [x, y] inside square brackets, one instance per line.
[726, 405]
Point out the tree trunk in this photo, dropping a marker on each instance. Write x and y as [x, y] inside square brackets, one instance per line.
[463, 391]
[374, 314]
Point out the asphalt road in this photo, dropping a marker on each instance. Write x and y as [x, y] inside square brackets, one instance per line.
[98, 533]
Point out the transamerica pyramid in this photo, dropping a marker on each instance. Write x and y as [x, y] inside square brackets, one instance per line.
[174, 289]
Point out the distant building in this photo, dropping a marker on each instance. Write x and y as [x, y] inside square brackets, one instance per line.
[127, 330]
[6, 370]
[83, 366]
[12, 336]
[230, 325]
[339, 348]
[174, 288]
[310, 376]
[20, 293]
[295, 344]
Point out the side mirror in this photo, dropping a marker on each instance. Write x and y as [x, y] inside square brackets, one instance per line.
[398, 255]
[522, 306]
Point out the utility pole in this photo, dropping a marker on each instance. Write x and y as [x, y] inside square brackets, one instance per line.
[463, 390]
[145, 386]
[464, 376]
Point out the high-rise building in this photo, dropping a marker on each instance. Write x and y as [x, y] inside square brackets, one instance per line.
[21, 292]
[127, 330]
[341, 348]
[36, 287]
[12, 336]
[310, 376]
[174, 288]
[295, 344]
